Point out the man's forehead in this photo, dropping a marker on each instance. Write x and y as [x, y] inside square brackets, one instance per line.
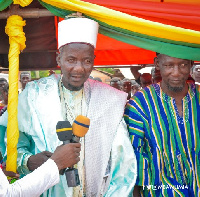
[167, 58]
[3, 82]
[145, 79]
[127, 82]
[74, 49]
[77, 45]
[113, 82]
[197, 67]
[25, 75]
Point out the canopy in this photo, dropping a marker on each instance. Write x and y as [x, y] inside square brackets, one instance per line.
[130, 30]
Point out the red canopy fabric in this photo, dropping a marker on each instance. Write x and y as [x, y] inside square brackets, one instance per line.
[177, 14]
[113, 52]
[41, 33]
[170, 12]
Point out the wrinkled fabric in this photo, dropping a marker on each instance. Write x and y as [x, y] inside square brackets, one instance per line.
[105, 110]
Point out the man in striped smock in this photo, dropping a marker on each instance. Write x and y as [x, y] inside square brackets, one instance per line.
[164, 126]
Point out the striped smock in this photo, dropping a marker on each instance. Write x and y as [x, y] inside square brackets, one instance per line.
[167, 146]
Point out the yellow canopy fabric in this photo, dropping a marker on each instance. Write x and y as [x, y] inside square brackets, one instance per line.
[125, 21]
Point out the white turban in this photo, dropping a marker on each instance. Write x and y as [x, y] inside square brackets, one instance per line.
[82, 30]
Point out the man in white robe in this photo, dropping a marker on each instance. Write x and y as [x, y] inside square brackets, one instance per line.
[48, 172]
[107, 164]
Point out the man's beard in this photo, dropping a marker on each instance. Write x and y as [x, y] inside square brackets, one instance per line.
[74, 88]
[175, 89]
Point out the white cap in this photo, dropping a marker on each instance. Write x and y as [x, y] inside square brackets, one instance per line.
[77, 30]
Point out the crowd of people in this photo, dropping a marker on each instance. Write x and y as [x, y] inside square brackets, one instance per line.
[25, 77]
[3, 95]
[131, 86]
[146, 146]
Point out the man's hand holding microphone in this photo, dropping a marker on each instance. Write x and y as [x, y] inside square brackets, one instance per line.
[66, 155]
[72, 134]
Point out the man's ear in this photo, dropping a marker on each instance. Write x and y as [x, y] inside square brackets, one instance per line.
[191, 73]
[58, 58]
[191, 69]
[156, 63]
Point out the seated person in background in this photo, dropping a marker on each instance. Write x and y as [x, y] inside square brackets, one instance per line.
[25, 77]
[156, 77]
[145, 79]
[195, 73]
[155, 73]
[115, 82]
[51, 72]
[5, 98]
[135, 87]
[126, 87]
[3, 82]
[136, 73]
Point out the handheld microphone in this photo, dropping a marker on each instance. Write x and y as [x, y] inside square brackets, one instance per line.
[80, 127]
[64, 133]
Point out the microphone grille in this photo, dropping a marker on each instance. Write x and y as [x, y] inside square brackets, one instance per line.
[81, 125]
[64, 130]
[63, 125]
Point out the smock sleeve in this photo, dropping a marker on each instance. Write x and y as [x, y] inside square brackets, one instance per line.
[135, 119]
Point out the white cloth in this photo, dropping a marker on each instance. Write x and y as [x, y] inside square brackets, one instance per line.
[33, 184]
[106, 108]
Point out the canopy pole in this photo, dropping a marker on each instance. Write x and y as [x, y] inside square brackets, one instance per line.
[14, 29]
[25, 12]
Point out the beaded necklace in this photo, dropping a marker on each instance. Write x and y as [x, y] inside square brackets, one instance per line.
[78, 191]
[69, 115]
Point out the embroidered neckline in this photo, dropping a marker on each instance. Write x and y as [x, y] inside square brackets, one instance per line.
[68, 106]
[172, 103]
